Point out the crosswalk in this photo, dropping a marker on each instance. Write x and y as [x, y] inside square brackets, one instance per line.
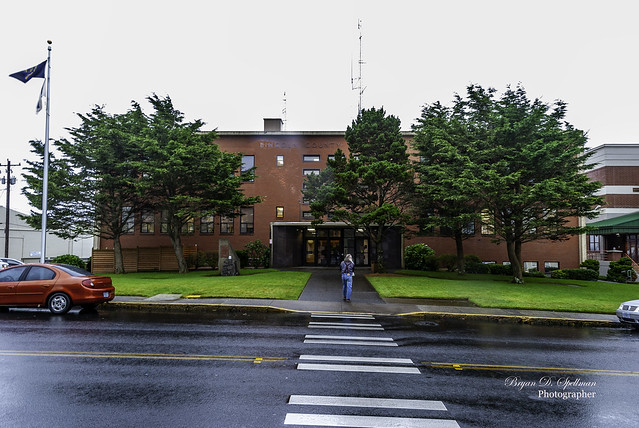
[359, 365]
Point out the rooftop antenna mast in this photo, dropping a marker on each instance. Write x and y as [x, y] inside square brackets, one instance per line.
[284, 110]
[356, 83]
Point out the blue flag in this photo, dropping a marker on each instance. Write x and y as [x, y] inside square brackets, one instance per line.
[28, 74]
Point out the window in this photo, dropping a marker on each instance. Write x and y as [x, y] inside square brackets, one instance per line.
[593, 242]
[279, 160]
[164, 221]
[246, 220]
[469, 230]
[310, 171]
[307, 215]
[207, 224]
[311, 158]
[147, 223]
[188, 227]
[528, 266]
[12, 275]
[330, 157]
[39, 273]
[248, 163]
[226, 224]
[128, 219]
[487, 223]
[279, 212]
[550, 266]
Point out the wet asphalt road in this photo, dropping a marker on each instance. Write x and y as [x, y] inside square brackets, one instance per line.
[237, 369]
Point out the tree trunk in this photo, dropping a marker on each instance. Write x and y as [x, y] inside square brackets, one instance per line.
[459, 243]
[379, 259]
[179, 251]
[514, 255]
[117, 254]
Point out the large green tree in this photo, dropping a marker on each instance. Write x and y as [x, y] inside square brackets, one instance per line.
[92, 185]
[447, 191]
[531, 164]
[370, 189]
[185, 175]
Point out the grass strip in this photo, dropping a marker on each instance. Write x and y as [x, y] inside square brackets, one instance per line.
[493, 291]
[250, 284]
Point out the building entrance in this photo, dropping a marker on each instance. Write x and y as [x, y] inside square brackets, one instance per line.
[327, 247]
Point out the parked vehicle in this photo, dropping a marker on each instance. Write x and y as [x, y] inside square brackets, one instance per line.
[55, 286]
[10, 261]
[628, 312]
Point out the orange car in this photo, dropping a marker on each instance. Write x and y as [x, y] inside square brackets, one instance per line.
[56, 286]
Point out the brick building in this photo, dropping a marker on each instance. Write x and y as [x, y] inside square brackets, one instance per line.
[283, 220]
[616, 230]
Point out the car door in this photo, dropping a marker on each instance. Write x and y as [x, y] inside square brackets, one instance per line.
[9, 279]
[35, 285]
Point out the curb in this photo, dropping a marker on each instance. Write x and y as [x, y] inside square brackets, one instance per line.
[503, 319]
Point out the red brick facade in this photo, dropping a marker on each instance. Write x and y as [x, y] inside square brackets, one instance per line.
[281, 159]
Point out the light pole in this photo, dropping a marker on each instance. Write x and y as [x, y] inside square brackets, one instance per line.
[9, 181]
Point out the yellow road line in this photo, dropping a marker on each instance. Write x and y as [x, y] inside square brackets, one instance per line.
[496, 367]
[253, 359]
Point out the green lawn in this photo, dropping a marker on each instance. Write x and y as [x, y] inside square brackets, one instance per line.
[251, 284]
[493, 291]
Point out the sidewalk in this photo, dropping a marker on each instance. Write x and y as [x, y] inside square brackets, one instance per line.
[323, 293]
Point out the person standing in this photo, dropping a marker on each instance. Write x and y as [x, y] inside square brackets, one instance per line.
[347, 267]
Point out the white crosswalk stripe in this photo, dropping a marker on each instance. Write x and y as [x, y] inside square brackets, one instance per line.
[381, 339]
[349, 316]
[378, 403]
[366, 421]
[345, 326]
[356, 359]
[350, 340]
[358, 368]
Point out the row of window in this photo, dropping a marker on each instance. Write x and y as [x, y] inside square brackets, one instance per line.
[207, 223]
[248, 161]
[534, 266]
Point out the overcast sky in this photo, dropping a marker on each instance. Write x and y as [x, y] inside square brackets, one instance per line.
[230, 62]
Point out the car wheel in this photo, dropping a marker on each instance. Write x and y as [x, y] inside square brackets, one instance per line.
[59, 303]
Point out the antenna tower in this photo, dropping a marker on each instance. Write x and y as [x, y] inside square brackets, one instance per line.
[356, 83]
[284, 110]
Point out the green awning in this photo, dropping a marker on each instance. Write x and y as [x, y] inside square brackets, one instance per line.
[626, 224]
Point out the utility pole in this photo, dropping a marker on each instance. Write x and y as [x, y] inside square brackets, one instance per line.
[9, 181]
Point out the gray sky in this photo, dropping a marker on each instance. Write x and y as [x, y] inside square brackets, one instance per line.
[229, 62]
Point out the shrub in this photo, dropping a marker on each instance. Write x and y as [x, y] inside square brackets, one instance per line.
[534, 273]
[448, 261]
[70, 259]
[202, 259]
[496, 269]
[258, 253]
[419, 257]
[473, 264]
[578, 274]
[431, 263]
[619, 270]
[558, 274]
[591, 264]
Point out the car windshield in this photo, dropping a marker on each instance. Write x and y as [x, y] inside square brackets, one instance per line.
[74, 270]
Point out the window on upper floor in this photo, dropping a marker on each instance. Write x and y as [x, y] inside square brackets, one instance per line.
[311, 158]
[248, 162]
[279, 212]
[279, 160]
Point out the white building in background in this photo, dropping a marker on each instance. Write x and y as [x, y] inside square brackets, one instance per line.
[25, 242]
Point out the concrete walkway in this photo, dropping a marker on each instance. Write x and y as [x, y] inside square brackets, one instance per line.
[323, 293]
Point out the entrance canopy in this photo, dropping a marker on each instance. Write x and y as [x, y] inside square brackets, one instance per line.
[625, 224]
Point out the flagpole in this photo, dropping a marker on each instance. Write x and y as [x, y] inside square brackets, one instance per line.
[45, 174]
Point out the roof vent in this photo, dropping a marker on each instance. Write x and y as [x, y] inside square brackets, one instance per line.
[273, 125]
